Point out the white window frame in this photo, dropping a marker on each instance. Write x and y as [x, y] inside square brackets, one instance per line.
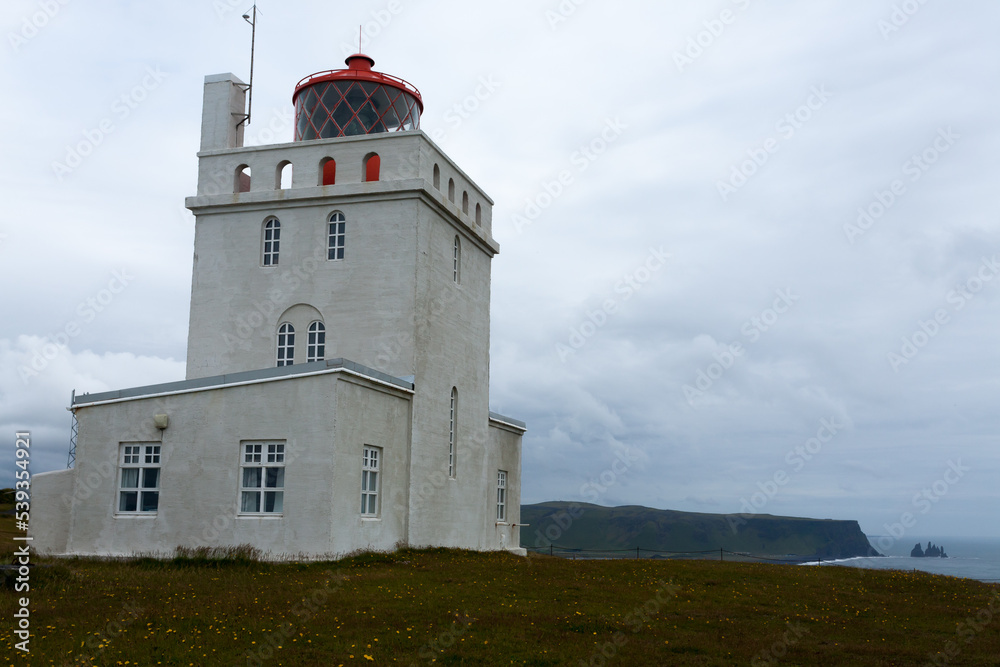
[456, 266]
[336, 236]
[501, 496]
[142, 487]
[371, 471]
[286, 345]
[262, 478]
[316, 342]
[270, 242]
[452, 415]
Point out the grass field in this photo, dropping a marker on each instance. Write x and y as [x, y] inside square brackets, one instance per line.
[454, 607]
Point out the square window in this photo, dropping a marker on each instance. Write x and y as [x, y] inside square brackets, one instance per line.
[139, 479]
[262, 478]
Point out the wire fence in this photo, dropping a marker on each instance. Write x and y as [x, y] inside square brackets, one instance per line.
[660, 554]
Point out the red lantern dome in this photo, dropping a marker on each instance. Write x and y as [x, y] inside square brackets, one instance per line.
[352, 101]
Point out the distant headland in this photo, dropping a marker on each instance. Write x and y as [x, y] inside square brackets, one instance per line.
[593, 527]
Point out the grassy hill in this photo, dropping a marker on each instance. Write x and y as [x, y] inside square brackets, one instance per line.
[455, 607]
[586, 526]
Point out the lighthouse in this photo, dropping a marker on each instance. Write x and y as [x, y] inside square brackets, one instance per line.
[337, 389]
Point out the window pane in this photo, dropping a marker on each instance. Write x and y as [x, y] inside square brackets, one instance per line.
[127, 503]
[150, 500]
[273, 501]
[150, 478]
[250, 502]
[275, 478]
[371, 504]
[130, 478]
[251, 478]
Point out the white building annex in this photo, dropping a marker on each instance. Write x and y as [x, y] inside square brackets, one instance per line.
[337, 391]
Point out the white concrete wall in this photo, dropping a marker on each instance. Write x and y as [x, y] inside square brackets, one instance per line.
[325, 420]
[368, 299]
[390, 304]
[505, 454]
[223, 110]
[51, 510]
[452, 350]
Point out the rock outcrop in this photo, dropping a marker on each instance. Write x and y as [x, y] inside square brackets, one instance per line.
[932, 551]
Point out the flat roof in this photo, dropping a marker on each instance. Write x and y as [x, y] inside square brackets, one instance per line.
[244, 377]
[509, 421]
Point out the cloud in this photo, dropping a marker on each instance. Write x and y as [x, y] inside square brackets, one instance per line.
[36, 383]
[786, 227]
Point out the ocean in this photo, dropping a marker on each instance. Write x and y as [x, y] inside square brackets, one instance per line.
[972, 558]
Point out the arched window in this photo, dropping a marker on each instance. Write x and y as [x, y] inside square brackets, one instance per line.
[451, 190]
[465, 202]
[283, 176]
[373, 164]
[451, 431]
[456, 266]
[242, 183]
[336, 236]
[271, 242]
[327, 171]
[316, 342]
[286, 345]
[479, 214]
[437, 177]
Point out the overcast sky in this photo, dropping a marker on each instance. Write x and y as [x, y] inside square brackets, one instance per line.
[746, 247]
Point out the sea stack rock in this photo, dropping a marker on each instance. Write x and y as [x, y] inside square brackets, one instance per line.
[932, 551]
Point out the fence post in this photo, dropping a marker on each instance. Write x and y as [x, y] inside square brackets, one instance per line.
[550, 548]
[720, 554]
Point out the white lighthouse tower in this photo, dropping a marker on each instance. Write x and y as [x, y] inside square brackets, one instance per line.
[337, 391]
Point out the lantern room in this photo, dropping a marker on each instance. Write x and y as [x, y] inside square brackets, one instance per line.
[353, 101]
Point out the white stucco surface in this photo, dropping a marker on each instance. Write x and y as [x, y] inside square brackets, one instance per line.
[391, 305]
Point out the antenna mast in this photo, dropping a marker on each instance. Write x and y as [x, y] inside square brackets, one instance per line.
[251, 18]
